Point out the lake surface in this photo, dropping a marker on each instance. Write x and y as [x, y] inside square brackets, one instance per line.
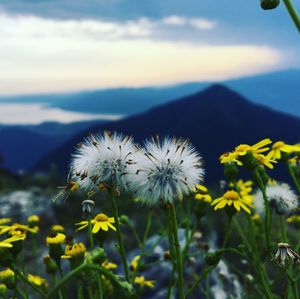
[26, 114]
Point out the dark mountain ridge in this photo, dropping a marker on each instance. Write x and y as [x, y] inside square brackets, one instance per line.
[215, 120]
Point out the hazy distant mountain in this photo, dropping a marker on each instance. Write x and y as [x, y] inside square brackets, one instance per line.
[215, 120]
[23, 146]
[278, 90]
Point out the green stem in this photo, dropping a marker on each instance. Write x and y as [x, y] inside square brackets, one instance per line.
[91, 240]
[198, 281]
[80, 291]
[267, 224]
[55, 282]
[22, 295]
[179, 266]
[293, 13]
[120, 239]
[283, 229]
[24, 279]
[294, 177]
[90, 233]
[81, 268]
[256, 263]
[100, 285]
[90, 292]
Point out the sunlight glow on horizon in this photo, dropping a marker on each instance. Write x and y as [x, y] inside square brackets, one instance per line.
[44, 55]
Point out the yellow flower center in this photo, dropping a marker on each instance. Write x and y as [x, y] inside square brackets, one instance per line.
[101, 217]
[231, 195]
[278, 145]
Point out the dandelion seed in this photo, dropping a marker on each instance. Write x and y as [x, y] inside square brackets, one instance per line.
[282, 199]
[165, 171]
[102, 160]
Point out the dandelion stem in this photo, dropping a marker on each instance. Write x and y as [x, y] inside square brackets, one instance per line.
[179, 266]
[90, 233]
[293, 13]
[283, 229]
[120, 239]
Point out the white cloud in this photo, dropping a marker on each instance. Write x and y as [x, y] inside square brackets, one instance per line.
[37, 27]
[174, 20]
[202, 24]
[197, 23]
[43, 55]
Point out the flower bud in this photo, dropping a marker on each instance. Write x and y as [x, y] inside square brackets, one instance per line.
[87, 208]
[33, 220]
[96, 256]
[3, 290]
[8, 277]
[213, 258]
[269, 4]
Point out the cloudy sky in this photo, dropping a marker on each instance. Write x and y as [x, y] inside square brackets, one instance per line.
[69, 45]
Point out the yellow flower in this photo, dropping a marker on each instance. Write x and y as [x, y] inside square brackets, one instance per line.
[202, 194]
[280, 147]
[293, 218]
[57, 228]
[243, 149]
[56, 238]
[134, 262]
[230, 157]
[8, 277]
[16, 229]
[74, 250]
[37, 280]
[144, 283]
[257, 148]
[108, 265]
[4, 220]
[101, 221]
[255, 217]
[244, 188]
[33, 219]
[7, 242]
[265, 160]
[229, 198]
[7, 273]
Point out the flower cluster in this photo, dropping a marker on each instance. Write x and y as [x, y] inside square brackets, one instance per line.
[160, 172]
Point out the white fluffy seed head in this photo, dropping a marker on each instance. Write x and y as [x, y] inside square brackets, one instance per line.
[102, 158]
[165, 171]
[281, 198]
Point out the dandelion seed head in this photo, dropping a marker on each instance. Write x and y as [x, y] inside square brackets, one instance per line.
[103, 158]
[282, 199]
[165, 170]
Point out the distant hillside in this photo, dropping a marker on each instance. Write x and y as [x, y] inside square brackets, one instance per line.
[215, 120]
[23, 146]
[278, 90]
